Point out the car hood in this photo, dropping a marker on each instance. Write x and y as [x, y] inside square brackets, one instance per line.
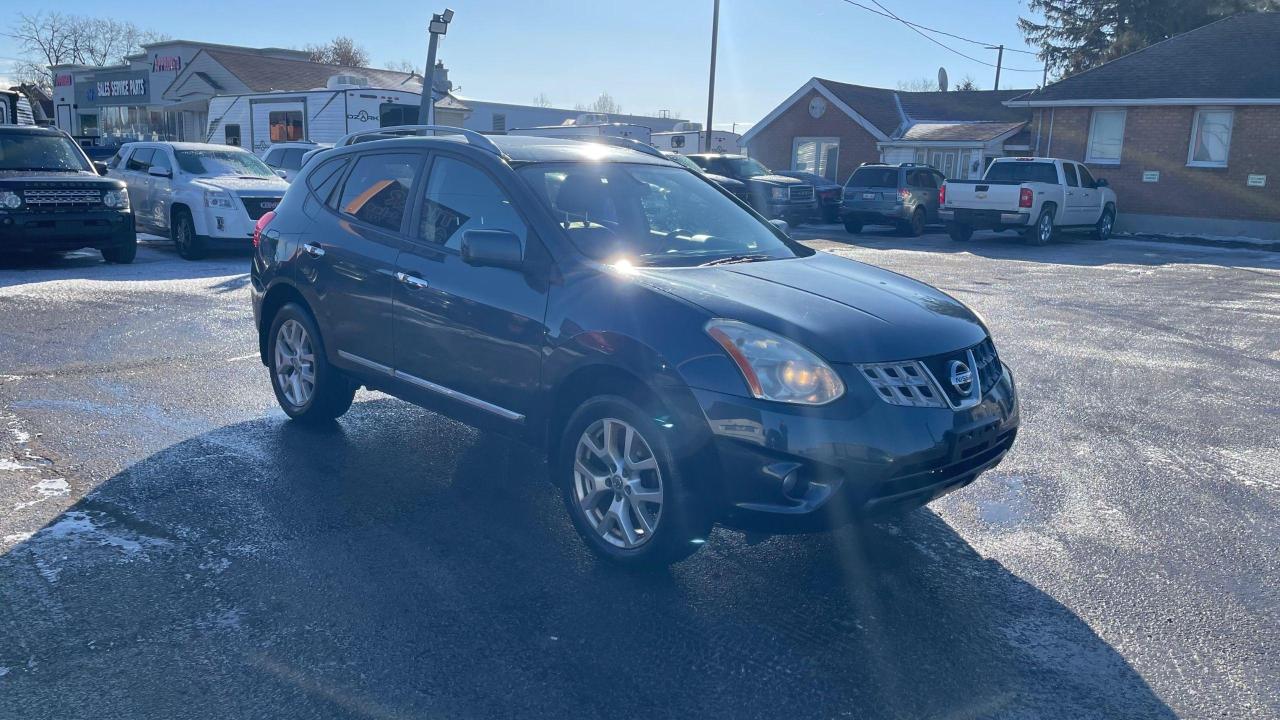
[79, 177]
[844, 310]
[241, 185]
[777, 180]
[724, 181]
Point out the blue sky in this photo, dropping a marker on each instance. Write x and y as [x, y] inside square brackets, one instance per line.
[650, 55]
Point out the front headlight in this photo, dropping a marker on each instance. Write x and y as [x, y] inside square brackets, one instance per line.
[116, 199]
[217, 198]
[10, 200]
[774, 367]
[778, 193]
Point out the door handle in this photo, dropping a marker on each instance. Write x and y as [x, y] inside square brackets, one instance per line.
[313, 250]
[412, 281]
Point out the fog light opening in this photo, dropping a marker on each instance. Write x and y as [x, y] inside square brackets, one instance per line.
[795, 485]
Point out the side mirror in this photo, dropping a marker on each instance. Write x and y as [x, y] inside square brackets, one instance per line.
[159, 171]
[283, 173]
[101, 167]
[492, 248]
[782, 226]
[1101, 183]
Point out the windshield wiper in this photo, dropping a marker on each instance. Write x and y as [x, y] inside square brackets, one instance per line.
[733, 259]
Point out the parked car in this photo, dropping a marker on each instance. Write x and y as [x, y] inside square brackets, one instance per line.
[772, 195]
[904, 196]
[681, 361]
[287, 158]
[202, 196]
[737, 187]
[1034, 196]
[828, 191]
[53, 199]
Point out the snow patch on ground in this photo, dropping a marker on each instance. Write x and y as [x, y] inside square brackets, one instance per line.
[84, 537]
[11, 464]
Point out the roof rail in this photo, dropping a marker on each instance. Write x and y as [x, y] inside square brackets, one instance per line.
[471, 136]
[628, 143]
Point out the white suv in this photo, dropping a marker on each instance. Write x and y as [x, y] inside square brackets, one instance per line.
[200, 195]
[287, 158]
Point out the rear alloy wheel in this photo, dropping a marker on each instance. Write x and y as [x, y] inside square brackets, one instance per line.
[959, 232]
[306, 386]
[1102, 230]
[915, 226]
[186, 241]
[623, 487]
[1042, 233]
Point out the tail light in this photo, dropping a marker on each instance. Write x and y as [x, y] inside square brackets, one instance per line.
[942, 194]
[903, 194]
[262, 224]
[1026, 198]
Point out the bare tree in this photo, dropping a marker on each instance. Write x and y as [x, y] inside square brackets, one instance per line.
[966, 84]
[918, 85]
[54, 38]
[605, 104]
[404, 66]
[542, 100]
[341, 50]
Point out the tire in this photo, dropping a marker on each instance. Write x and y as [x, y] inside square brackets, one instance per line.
[183, 232]
[1102, 231]
[959, 233]
[331, 392]
[853, 227]
[830, 215]
[122, 255]
[1042, 232]
[587, 463]
[913, 227]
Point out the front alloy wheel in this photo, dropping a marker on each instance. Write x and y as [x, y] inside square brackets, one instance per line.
[617, 483]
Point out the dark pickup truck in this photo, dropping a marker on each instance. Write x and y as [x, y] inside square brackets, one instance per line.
[53, 199]
[774, 196]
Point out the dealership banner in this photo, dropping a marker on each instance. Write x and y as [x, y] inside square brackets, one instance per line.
[115, 88]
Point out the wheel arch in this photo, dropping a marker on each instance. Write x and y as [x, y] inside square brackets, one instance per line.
[182, 206]
[277, 297]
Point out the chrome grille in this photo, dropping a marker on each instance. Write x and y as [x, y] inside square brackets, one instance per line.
[39, 199]
[926, 382]
[801, 193]
[903, 383]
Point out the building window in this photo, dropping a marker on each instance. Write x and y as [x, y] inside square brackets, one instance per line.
[1106, 137]
[285, 125]
[1210, 137]
[677, 141]
[233, 134]
[816, 155]
[500, 122]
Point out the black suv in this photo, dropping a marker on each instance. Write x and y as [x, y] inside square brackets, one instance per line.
[679, 358]
[53, 199]
[774, 196]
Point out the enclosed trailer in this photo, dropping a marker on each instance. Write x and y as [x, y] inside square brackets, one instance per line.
[575, 130]
[15, 109]
[255, 121]
[689, 138]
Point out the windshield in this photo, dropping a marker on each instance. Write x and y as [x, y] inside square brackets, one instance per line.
[222, 162]
[875, 177]
[682, 160]
[734, 167]
[23, 151]
[651, 215]
[1021, 171]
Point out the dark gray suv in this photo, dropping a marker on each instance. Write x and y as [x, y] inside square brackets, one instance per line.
[904, 196]
[681, 361]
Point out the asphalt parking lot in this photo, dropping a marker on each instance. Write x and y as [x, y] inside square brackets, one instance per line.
[171, 547]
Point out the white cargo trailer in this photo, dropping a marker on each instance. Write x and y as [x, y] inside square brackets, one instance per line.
[575, 130]
[694, 141]
[255, 121]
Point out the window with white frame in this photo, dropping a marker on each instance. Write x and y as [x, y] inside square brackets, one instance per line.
[1106, 137]
[816, 155]
[1211, 137]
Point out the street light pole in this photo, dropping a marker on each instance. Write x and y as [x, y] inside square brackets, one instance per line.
[711, 85]
[438, 27]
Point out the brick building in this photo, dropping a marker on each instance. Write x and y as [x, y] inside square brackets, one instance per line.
[1187, 131]
[831, 128]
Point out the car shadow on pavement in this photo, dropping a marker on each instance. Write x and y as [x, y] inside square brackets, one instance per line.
[151, 264]
[400, 565]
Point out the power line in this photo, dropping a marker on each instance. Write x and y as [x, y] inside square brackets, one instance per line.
[932, 30]
[917, 29]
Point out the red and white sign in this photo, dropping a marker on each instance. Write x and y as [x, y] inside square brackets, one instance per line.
[62, 80]
[166, 63]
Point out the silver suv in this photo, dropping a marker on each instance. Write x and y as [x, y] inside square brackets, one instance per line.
[905, 196]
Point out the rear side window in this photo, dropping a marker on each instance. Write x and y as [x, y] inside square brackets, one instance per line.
[1086, 178]
[1022, 171]
[875, 177]
[325, 178]
[139, 160]
[923, 179]
[377, 190]
[1070, 171]
[461, 197]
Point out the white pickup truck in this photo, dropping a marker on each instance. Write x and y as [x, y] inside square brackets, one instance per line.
[1035, 196]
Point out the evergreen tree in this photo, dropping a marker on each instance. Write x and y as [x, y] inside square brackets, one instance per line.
[1079, 34]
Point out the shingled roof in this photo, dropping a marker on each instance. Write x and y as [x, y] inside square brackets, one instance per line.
[262, 73]
[1234, 58]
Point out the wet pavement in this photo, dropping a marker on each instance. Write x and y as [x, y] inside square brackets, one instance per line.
[172, 547]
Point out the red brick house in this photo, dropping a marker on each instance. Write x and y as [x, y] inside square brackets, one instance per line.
[831, 128]
[1187, 131]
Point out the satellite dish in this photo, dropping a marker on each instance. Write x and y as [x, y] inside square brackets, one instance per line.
[942, 79]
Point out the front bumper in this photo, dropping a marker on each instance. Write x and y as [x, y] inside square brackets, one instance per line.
[64, 231]
[792, 468]
[791, 210]
[230, 227]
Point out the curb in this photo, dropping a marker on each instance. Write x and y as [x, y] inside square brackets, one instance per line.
[1263, 245]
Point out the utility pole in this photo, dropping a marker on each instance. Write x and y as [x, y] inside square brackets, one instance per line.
[1045, 82]
[711, 86]
[438, 27]
[999, 61]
